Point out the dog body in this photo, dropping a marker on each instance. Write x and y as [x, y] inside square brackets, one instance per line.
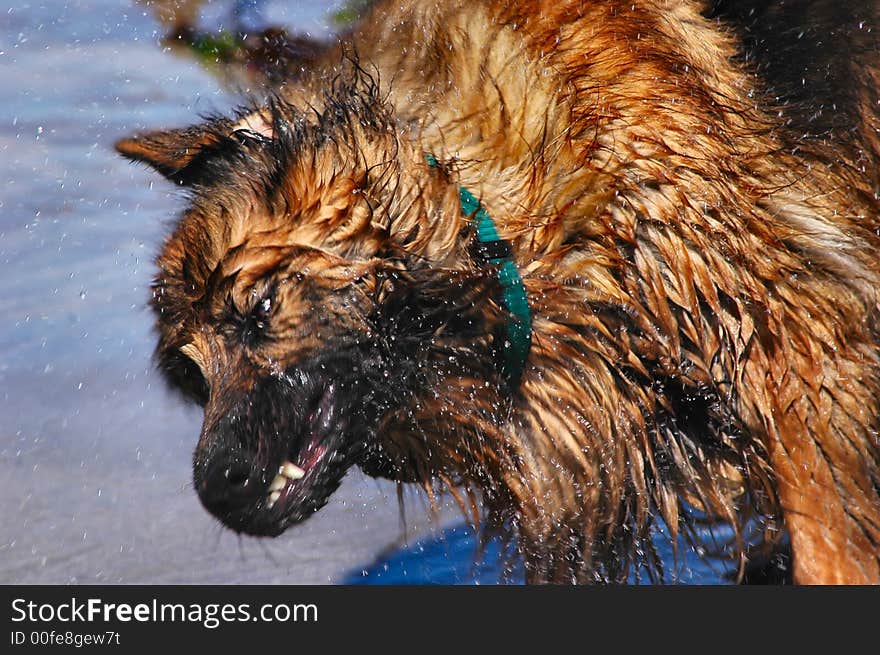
[701, 274]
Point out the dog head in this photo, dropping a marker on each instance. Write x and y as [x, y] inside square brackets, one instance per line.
[317, 300]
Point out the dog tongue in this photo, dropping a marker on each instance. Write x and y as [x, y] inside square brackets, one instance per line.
[312, 454]
[321, 423]
[325, 413]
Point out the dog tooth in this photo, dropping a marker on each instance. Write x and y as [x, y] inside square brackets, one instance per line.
[273, 498]
[277, 483]
[292, 471]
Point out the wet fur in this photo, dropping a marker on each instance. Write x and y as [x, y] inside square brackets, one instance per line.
[700, 259]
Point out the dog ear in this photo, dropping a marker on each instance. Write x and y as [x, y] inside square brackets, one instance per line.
[177, 154]
[180, 155]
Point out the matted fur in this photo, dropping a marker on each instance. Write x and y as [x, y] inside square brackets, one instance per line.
[703, 277]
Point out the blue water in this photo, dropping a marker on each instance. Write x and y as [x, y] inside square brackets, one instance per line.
[454, 557]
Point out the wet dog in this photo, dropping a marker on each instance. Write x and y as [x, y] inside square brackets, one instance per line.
[595, 264]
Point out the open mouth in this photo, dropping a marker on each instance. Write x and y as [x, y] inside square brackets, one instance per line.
[302, 471]
[274, 460]
[306, 478]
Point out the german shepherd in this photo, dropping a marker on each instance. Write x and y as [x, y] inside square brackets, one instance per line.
[589, 264]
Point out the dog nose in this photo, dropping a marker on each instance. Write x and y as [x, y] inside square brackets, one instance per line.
[231, 485]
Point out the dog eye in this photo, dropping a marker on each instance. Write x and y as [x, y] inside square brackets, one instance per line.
[255, 323]
[262, 312]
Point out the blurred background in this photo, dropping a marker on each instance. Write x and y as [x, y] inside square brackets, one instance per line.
[94, 452]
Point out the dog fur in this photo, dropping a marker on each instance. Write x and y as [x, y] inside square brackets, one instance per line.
[694, 215]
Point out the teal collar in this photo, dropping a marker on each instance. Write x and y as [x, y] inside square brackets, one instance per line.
[492, 250]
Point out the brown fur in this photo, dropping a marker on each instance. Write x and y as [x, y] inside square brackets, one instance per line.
[704, 295]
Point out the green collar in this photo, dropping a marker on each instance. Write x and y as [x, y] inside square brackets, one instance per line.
[492, 250]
